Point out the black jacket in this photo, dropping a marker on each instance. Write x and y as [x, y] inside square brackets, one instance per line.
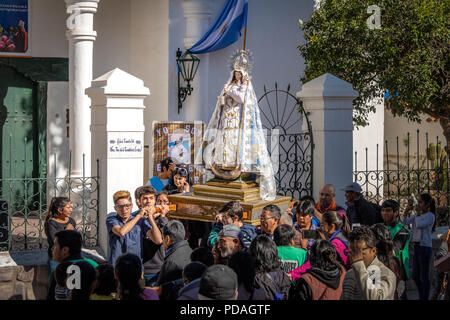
[153, 254]
[365, 213]
[178, 257]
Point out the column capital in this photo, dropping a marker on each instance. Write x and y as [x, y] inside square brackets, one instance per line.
[82, 5]
[80, 21]
[197, 14]
[200, 9]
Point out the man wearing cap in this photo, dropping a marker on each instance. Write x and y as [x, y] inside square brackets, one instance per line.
[219, 282]
[359, 210]
[229, 241]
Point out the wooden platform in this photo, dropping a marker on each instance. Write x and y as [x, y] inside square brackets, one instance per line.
[206, 200]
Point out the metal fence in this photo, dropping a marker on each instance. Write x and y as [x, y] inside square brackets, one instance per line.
[24, 205]
[289, 140]
[405, 174]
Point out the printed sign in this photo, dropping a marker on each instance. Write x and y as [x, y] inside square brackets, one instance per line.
[125, 145]
[14, 27]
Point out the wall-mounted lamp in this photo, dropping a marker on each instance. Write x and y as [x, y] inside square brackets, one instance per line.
[187, 65]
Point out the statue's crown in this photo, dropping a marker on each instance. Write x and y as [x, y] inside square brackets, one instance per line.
[241, 61]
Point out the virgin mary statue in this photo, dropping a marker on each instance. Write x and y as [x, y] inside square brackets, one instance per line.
[234, 142]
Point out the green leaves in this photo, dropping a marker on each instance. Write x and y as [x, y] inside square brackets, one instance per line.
[409, 55]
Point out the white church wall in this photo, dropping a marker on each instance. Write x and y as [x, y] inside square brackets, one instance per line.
[112, 22]
[48, 33]
[57, 139]
[150, 62]
[369, 137]
[177, 29]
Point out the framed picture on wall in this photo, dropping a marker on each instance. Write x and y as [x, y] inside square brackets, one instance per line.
[15, 27]
[181, 141]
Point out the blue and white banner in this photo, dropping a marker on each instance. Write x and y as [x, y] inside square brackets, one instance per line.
[226, 30]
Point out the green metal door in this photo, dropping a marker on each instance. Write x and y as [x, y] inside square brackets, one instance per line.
[18, 137]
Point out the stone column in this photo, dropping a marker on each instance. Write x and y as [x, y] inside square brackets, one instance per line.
[329, 101]
[117, 128]
[81, 38]
[197, 14]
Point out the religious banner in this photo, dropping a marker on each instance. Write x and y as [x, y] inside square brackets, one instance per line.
[15, 27]
[180, 141]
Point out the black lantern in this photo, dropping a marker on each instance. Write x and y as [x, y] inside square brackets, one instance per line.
[187, 65]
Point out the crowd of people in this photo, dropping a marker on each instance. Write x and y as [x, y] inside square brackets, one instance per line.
[312, 251]
[14, 38]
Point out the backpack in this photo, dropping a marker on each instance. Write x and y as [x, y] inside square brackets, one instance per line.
[274, 287]
[344, 240]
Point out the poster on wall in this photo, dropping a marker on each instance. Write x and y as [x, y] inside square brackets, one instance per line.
[15, 27]
[180, 141]
[180, 148]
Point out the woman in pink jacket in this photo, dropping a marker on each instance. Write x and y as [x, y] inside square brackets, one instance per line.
[335, 228]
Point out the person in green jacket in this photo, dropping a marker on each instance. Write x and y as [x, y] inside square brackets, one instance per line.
[400, 234]
[290, 256]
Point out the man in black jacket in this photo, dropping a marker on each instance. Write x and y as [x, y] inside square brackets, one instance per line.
[359, 210]
[178, 252]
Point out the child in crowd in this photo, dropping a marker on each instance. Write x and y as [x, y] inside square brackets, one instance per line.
[86, 272]
[422, 226]
[106, 284]
[60, 274]
[180, 182]
[128, 272]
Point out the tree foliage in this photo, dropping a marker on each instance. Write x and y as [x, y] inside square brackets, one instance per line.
[408, 56]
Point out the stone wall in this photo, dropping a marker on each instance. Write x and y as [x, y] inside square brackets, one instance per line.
[16, 283]
[24, 275]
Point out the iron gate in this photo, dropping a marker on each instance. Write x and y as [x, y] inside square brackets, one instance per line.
[22, 217]
[289, 134]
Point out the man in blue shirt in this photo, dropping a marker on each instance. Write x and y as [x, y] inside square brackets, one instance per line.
[125, 231]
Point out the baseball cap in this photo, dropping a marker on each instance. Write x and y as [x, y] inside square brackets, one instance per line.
[230, 230]
[353, 187]
[219, 282]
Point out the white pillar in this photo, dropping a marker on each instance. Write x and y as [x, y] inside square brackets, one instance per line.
[197, 14]
[329, 101]
[117, 128]
[81, 38]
